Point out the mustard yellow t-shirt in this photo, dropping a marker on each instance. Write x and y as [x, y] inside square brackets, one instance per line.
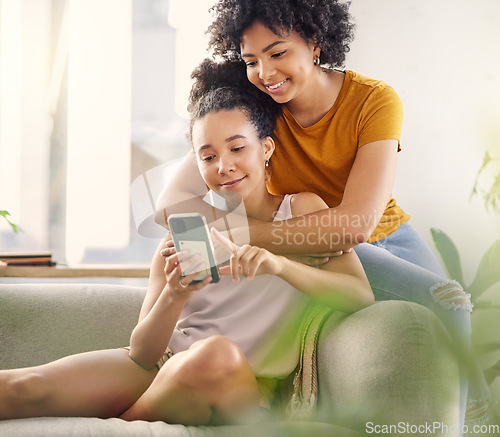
[319, 158]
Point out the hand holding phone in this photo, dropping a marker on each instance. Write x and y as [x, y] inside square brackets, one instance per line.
[190, 232]
[247, 260]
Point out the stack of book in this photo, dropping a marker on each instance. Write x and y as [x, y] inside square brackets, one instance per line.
[27, 258]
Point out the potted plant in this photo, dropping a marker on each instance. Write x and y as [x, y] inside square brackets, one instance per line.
[486, 315]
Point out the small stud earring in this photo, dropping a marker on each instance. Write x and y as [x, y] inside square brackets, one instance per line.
[316, 61]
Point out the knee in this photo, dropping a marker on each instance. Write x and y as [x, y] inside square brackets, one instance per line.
[214, 366]
[450, 295]
[217, 357]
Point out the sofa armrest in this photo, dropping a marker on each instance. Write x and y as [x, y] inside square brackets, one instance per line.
[44, 322]
[390, 363]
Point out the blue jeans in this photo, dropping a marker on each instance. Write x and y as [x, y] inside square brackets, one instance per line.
[402, 267]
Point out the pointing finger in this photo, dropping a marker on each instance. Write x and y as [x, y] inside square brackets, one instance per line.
[226, 242]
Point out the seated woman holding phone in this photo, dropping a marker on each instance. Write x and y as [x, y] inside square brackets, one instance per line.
[204, 351]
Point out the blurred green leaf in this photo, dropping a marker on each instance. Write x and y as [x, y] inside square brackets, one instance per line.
[485, 305]
[492, 198]
[491, 195]
[488, 272]
[492, 373]
[486, 160]
[449, 254]
[4, 214]
[487, 348]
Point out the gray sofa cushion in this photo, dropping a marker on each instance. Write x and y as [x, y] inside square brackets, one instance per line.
[40, 323]
[92, 427]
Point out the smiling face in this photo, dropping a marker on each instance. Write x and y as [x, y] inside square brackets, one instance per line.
[281, 66]
[230, 155]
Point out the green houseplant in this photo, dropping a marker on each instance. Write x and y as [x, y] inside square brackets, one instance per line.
[5, 215]
[491, 195]
[487, 344]
[486, 314]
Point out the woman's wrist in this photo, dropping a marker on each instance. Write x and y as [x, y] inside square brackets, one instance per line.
[172, 297]
[285, 266]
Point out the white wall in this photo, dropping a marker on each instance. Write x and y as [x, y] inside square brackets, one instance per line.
[24, 152]
[442, 58]
[96, 44]
[99, 96]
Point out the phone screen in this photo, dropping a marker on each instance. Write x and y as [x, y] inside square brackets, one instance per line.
[190, 232]
[195, 247]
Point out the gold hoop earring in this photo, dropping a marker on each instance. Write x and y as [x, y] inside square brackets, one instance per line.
[316, 61]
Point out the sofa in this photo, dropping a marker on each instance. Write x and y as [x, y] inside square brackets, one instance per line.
[390, 363]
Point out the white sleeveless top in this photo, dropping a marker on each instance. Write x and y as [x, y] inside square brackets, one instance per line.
[263, 317]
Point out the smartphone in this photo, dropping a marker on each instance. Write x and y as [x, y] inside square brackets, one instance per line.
[190, 231]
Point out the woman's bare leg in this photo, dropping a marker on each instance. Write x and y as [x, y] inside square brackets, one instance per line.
[96, 384]
[211, 382]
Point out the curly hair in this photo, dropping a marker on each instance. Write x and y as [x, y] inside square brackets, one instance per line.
[223, 86]
[327, 23]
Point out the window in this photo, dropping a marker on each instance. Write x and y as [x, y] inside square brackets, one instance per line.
[92, 96]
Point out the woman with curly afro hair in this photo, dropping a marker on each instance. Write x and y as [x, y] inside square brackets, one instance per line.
[338, 136]
[339, 131]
